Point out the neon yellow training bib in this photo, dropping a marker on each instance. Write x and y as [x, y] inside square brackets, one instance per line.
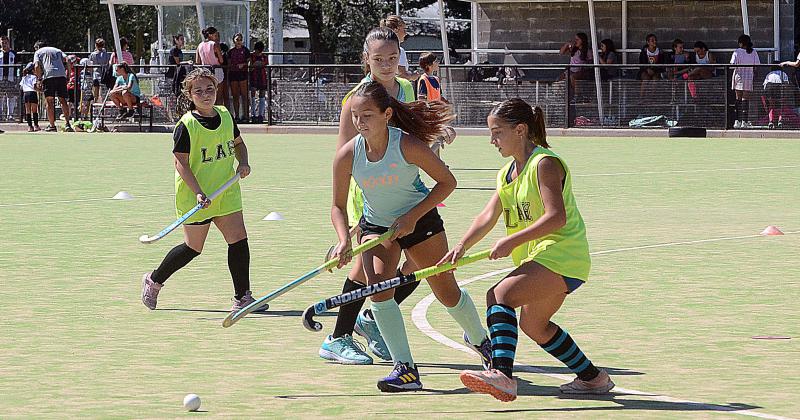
[566, 251]
[212, 161]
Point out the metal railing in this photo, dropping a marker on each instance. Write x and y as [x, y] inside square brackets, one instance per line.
[308, 94]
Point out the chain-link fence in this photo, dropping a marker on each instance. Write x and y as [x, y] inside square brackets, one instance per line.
[692, 95]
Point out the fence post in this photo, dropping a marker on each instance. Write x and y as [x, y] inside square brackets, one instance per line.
[566, 99]
[727, 102]
[269, 94]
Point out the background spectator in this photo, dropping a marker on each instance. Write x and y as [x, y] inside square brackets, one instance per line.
[608, 55]
[175, 57]
[127, 57]
[679, 56]
[398, 26]
[430, 88]
[650, 54]
[126, 93]
[209, 53]
[7, 77]
[98, 57]
[258, 82]
[702, 56]
[30, 97]
[50, 68]
[238, 57]
[578, 51]
[742, 80]
[773, 94]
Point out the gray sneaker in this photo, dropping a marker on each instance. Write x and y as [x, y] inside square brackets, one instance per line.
[484, 350]
[150, 291]
[247, 299]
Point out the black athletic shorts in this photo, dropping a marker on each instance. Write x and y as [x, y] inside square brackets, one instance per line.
[428, 225]
[30, 97]
[55, 87]
[204, 222]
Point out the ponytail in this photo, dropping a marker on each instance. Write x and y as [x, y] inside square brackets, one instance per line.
[747, 42]
[423, 120]
[516, 111]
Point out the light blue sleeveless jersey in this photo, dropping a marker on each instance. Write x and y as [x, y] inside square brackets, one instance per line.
[391, 185]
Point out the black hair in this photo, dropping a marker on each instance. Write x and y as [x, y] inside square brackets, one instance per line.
[175, 38]
[259, 46]
[209, 31]
[609, 45]
[584, 45]
[701, 45]
[747, 42]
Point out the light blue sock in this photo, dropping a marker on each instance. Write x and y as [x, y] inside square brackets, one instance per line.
[467, 317]
[390, 322]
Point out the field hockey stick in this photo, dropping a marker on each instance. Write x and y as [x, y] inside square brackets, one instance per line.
[150, 239]
[232, 318]
[364, 292]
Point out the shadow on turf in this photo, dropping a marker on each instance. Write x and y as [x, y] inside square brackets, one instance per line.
[531, 369]
[267, 314]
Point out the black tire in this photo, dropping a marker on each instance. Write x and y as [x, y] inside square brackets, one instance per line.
[687, 132]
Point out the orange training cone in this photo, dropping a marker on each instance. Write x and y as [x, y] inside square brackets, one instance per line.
[771, 231]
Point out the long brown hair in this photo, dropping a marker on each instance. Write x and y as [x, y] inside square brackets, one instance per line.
[423, 120]
[392, 22]
[378, 34]
[516, 111]
[194, 75]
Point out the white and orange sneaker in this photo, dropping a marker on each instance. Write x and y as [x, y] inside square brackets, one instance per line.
[599, 385]
[492, 382]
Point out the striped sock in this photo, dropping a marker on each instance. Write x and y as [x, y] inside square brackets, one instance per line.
[563, 348]
[502, 322]
[390, 323]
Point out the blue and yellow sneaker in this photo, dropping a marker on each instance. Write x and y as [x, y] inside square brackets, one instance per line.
[403, 378]
[484, 351]
[344, 350]
[368, 328]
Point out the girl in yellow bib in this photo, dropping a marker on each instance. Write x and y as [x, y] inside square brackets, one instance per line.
[207, 146]
[381, 55]
[547, 241]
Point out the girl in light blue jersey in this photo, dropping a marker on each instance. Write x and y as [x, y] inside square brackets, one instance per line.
[384, 158]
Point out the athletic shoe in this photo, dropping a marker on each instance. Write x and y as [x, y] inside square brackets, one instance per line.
[599, 385]
[50, 129]
[780, 124]
[247, 299]
[30, 130]
[484, 350]
[1, 131]
[737, 124]
[150, 291]
[492, 382]
[403, 378]
[368, 329]
[770, 126]
[68, 129]
[344, 350]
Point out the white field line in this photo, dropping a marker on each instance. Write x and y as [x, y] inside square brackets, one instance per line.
[315, 187]
[419, 315]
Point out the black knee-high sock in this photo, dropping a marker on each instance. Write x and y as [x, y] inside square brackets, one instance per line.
[28, 120]
[400, 294]
[36, 119]
[563, 348]
[502, 322]
[346, 319]
[176, 259]
[239, 266]
[403, 292]
[737, 107]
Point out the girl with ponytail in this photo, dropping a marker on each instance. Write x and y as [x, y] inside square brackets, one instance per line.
[742, 79]
[381, 58]
[547, 241]
[385, 159]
